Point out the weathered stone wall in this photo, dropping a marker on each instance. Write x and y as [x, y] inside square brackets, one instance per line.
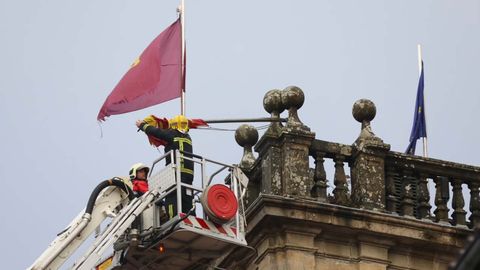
[296, 234]
[383, 222]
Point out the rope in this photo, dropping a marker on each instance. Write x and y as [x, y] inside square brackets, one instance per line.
[101, 130]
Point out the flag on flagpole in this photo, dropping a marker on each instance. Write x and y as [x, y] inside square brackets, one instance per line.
[153, 78]
[419, 128]
[163, 123]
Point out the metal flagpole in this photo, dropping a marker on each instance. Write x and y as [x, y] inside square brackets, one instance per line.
[424, 139]
[246, 120]
[182, 66]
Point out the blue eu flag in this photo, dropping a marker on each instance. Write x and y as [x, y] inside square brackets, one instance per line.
[419, 128]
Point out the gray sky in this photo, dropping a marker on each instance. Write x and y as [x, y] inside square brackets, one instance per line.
[61, 59]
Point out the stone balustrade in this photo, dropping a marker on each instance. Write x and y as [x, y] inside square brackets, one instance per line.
[408, 194]
[381, 180]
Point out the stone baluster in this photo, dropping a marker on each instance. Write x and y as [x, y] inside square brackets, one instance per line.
[340, 180]
[423, 197]
[319, 189]
[474, 203]
[391, 190]
[272, 103]
[441, 213]
[246, 136]
[368, 166]
[458, 203]
[407, 198]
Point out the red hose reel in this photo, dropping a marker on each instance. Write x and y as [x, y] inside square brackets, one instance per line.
[219, 203]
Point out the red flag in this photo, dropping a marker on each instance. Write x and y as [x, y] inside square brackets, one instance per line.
[197, 122]
[153, 78]
[159, 123]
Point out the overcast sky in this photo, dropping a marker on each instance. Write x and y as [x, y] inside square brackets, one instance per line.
[61, 59]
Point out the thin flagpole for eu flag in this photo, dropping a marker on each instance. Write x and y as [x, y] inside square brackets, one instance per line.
[419, 128]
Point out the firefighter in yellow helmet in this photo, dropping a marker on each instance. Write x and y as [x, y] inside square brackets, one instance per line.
[176, 138]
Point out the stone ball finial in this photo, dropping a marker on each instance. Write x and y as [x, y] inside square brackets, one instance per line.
[272, 101]
[246, 135]
[293, 97]
[364, 110]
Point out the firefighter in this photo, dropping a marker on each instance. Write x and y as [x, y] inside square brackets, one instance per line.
[138, 175]
[176, 138]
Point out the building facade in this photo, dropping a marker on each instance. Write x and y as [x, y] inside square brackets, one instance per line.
[379, 214]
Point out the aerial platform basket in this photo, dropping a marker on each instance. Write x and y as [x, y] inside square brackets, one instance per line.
[141, 237]
[187, 241]
[191, 244]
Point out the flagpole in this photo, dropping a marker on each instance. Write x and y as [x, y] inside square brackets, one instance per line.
[424, 139]
[182, 66]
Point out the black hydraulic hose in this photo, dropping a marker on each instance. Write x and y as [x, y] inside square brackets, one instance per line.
[112, 182]
[170, 230]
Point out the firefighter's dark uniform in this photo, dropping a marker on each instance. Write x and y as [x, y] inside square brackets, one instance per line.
[176, 140]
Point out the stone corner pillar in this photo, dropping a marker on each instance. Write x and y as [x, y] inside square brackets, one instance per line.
[295, 140]
[368, 168]
[268, 147]
[283, 151]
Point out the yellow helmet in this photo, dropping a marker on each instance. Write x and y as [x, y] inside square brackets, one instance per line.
[179, 122]
[135, 168]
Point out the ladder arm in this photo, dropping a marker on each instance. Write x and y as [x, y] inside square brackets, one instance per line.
[115, 229]
[107, 197]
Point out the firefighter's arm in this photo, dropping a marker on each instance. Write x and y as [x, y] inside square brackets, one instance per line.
[162, 134]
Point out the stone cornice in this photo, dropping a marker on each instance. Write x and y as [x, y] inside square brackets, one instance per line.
[314, 213]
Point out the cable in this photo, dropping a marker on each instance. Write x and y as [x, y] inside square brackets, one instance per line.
[262, 127]
[170, 230]
[209, 265]
[181, 219]
[240, 262]
[144, 230]
[255, 253]
[216, 129]
[228, 129]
